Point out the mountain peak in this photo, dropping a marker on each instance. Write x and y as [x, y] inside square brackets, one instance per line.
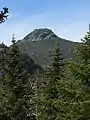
[40, 34]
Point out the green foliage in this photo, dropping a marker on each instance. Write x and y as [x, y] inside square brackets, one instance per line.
[60, 93]
[81, 65]
[15, 88]
[3, 50]
[58, 63]
[80, 71]
[29, 65]
[66, 94]
[51, 88]
[3, 15]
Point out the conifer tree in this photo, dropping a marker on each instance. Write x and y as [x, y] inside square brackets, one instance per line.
[2, 58]
[68, 97]
[51, 90]
[81, 66]
[58, 63]
[16, 90]
[80, 69]
[3, 15]
[83, 54]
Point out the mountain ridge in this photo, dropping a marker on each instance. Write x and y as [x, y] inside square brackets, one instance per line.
[40, 34]
[40, 45]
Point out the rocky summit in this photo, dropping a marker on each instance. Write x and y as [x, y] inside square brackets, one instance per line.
[40, 34]
[40, 45]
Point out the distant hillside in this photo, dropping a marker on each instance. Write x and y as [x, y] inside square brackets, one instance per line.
[28, 62]
[40, 45]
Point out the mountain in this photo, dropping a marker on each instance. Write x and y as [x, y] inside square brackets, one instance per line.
[40, 34]
[40, 45]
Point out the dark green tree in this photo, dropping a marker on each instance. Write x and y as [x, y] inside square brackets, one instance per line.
[80, 70]
[3, 49]
[16, 90]
[81, 66]
[57, 67]
[51, 90]
[3, 15]
[66, 92]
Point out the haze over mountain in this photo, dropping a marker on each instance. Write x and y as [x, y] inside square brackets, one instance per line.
[40, 45]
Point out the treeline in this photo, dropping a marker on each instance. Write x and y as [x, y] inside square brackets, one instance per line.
[60, 92]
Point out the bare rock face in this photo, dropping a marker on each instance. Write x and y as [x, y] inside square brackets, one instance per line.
[40, 34]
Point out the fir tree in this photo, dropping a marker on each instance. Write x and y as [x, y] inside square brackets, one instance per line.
[58, 63]
[51, 90]
[81, 66]
[66, 94]
[80, 70]
[16, 90]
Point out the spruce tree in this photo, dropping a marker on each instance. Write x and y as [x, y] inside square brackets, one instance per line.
[81, 65]
[80, 70]
[51, 90]
[83, 55]
[66, 94]
[16, 90]
[58, 63]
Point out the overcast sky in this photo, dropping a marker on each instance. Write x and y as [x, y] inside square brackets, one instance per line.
[67, 18]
